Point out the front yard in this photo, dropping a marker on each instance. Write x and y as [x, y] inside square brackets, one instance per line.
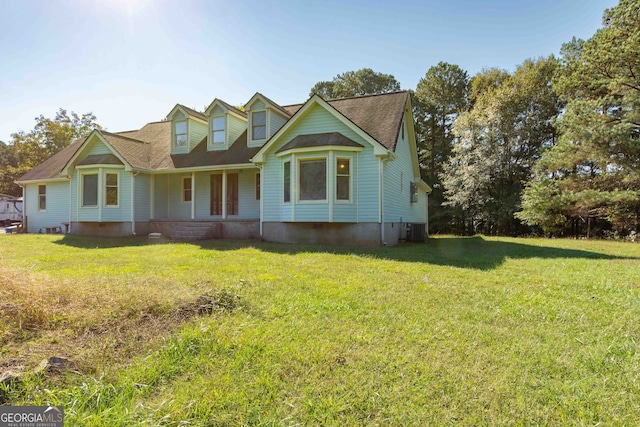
[457, 331]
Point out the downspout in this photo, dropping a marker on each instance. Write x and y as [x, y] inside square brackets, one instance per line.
[133, 199]
[70, 208]
[381, 204]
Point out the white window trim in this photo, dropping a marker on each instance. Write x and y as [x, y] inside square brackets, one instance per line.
[117, 205]
[81, 195]
[45, 197]
[184, 188]
[326, 181]
[224, 129]
[335, 196]
[175, 134]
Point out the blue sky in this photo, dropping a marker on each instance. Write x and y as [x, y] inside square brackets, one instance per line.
[130, 61]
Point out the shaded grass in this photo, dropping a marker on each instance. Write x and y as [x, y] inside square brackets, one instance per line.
[478, 331]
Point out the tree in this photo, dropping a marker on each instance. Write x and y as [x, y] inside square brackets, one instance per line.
[497, 144]
[593, 173]
[440, 97]
[354, 83]
[27, 150]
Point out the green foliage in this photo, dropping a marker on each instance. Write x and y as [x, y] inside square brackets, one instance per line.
[498, 142]
[440, 97]
[27, 150]
[355, 83]
[456, 331]
[596, 164]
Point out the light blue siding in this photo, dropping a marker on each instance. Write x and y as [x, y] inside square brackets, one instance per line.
[160, 197]
[364, 175]
[96, 147]
[196, 132]
[258, 105]
[177, 209]
[277, 121]
[235, 127]
[397, 198]
[248, 206]
[57, 210]
[142, 197]
[217, 111]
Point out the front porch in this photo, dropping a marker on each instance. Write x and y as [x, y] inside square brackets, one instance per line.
[207, 229]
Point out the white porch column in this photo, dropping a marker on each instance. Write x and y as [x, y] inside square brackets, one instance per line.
[133, 203]
[152, 198]
[193, 195]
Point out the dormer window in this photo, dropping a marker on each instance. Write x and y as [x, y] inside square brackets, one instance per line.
[217, 132]
[181, 134]
[259, 125]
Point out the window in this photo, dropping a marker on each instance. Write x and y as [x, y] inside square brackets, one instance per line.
[90, 190]
[111, 189]
[343, 179]
[414, 192]
[218, 130]
[258, 186]
[287, 182]
[186, 189]
[42, 197]
[259, 125]
[181, 134]
[313, 179]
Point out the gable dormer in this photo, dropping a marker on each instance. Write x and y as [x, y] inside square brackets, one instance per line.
[188, 129]
[226, 124]
[265, 118]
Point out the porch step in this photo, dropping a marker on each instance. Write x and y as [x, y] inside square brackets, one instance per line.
[188, 231]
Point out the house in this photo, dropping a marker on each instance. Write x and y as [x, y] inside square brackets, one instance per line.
[339, 172]
[10, 209]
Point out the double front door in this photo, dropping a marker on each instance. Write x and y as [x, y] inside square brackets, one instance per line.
[217, 196]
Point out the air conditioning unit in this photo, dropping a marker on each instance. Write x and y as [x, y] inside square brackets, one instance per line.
[416, 232]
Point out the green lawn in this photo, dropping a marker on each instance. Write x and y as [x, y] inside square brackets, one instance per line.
[457, 331]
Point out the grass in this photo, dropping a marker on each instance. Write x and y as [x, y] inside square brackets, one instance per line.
[457, 331]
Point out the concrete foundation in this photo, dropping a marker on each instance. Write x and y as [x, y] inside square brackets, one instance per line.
[362, 234]
[108, 229]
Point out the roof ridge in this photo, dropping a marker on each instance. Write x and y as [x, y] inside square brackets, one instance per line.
[367, 96]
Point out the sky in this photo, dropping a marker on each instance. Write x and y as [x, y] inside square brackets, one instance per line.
[130, 62]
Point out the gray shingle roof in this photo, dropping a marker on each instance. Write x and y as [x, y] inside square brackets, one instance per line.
[149, 148]
[319, 140]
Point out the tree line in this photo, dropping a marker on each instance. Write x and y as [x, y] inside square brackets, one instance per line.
[551, 148]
